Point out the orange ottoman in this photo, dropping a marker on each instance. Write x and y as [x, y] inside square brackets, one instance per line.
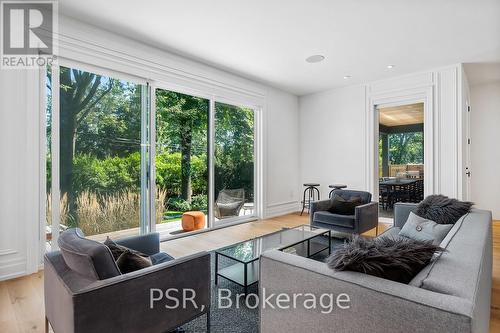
[193, 221]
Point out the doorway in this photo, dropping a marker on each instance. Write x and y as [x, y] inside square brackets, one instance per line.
[401, 156]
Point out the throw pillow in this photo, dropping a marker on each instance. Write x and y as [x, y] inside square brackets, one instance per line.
[129, 262]
[117, 250]
[397, 259]
[421, 229]
[342, 206]
[443, 210]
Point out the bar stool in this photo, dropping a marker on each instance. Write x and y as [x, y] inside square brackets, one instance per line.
[311, 191]
[335, 187]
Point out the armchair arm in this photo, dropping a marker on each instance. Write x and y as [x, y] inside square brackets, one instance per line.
[113, 305]
[148, 244]
[366, 217]
[317, 206]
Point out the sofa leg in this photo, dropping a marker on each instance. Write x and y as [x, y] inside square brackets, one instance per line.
[46, 325]
[376, 230]
[208, 321]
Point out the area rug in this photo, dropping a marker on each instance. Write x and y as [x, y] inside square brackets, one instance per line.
[238, 319]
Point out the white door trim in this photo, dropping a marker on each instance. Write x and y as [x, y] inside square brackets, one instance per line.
[425, 94]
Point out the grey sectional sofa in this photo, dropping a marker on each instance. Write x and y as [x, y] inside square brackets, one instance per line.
[452, 294]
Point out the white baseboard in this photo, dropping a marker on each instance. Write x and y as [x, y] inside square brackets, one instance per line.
[282, 208]
[12, 270]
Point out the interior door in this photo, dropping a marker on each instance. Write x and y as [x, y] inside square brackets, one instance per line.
[468, 171]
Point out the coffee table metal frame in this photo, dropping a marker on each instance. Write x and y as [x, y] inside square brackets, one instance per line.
[245, 283]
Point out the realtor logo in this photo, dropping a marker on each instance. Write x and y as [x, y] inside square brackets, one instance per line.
[27, 34]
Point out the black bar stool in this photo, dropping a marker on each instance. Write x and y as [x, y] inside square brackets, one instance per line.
[311, 191]
[335, 187]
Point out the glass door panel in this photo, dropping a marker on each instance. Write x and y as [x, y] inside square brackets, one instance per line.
[181, 162]
[234, 161]
[100, 125]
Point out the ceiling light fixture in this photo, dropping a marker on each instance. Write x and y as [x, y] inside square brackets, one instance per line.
[347, 77]
[315, 58]
[390, 66]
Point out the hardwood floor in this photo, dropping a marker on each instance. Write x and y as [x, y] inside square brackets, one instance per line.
[21, 299]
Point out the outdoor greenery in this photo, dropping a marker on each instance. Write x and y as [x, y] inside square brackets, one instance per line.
[100, 151]
[404, 148]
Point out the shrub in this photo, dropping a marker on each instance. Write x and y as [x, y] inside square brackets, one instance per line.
[199, 202]
[178, 204]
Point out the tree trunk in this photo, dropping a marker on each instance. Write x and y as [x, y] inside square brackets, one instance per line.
[67, 151]
[186, 145]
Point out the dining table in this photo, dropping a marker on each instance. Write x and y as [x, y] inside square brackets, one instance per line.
[398, 182]
[398, 189]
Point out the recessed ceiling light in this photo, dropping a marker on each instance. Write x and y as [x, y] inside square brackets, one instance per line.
[390, 66]
[347, 77]
[315, 58]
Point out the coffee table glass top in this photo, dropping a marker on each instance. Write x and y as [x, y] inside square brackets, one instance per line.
[252, 249]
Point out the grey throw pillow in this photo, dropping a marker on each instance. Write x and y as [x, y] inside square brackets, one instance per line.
[443, 210]
[398, 259]
[421, 229]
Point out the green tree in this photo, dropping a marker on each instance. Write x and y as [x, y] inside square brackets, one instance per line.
[79, 93]
[405, 148]
[234, 148]
[181, 121]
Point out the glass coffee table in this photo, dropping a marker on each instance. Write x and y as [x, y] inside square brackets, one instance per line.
[243, 258]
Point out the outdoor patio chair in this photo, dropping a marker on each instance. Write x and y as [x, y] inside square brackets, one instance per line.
[229, 203]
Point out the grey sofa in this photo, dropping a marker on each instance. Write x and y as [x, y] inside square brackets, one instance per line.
[452, 294]
[85, 291]
[364, 219]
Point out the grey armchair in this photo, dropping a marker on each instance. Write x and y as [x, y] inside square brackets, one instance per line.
[85, 291]
[364, 218]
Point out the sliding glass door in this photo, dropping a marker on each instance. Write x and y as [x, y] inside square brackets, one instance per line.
[234, 161]
[181, 162]
[119, 165]
[101, 168]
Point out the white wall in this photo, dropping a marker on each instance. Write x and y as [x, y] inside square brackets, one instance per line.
[20, 169]
[332, 138]
[485, 151]
[282, 153]
[334, 130]
[18, 175]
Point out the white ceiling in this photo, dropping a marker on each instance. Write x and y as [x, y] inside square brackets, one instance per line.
[481, 73]
[408, 114]
[268, 40]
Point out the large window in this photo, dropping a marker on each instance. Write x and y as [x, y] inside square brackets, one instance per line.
[104, 177]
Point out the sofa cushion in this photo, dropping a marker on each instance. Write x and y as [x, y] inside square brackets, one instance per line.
[343, 206]
[346, 221]
[87, 257]
[130, 262]
[366, 197]
[160, 258]
[117, 250]
[391, 232]
[459, 268]
[422, 229]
